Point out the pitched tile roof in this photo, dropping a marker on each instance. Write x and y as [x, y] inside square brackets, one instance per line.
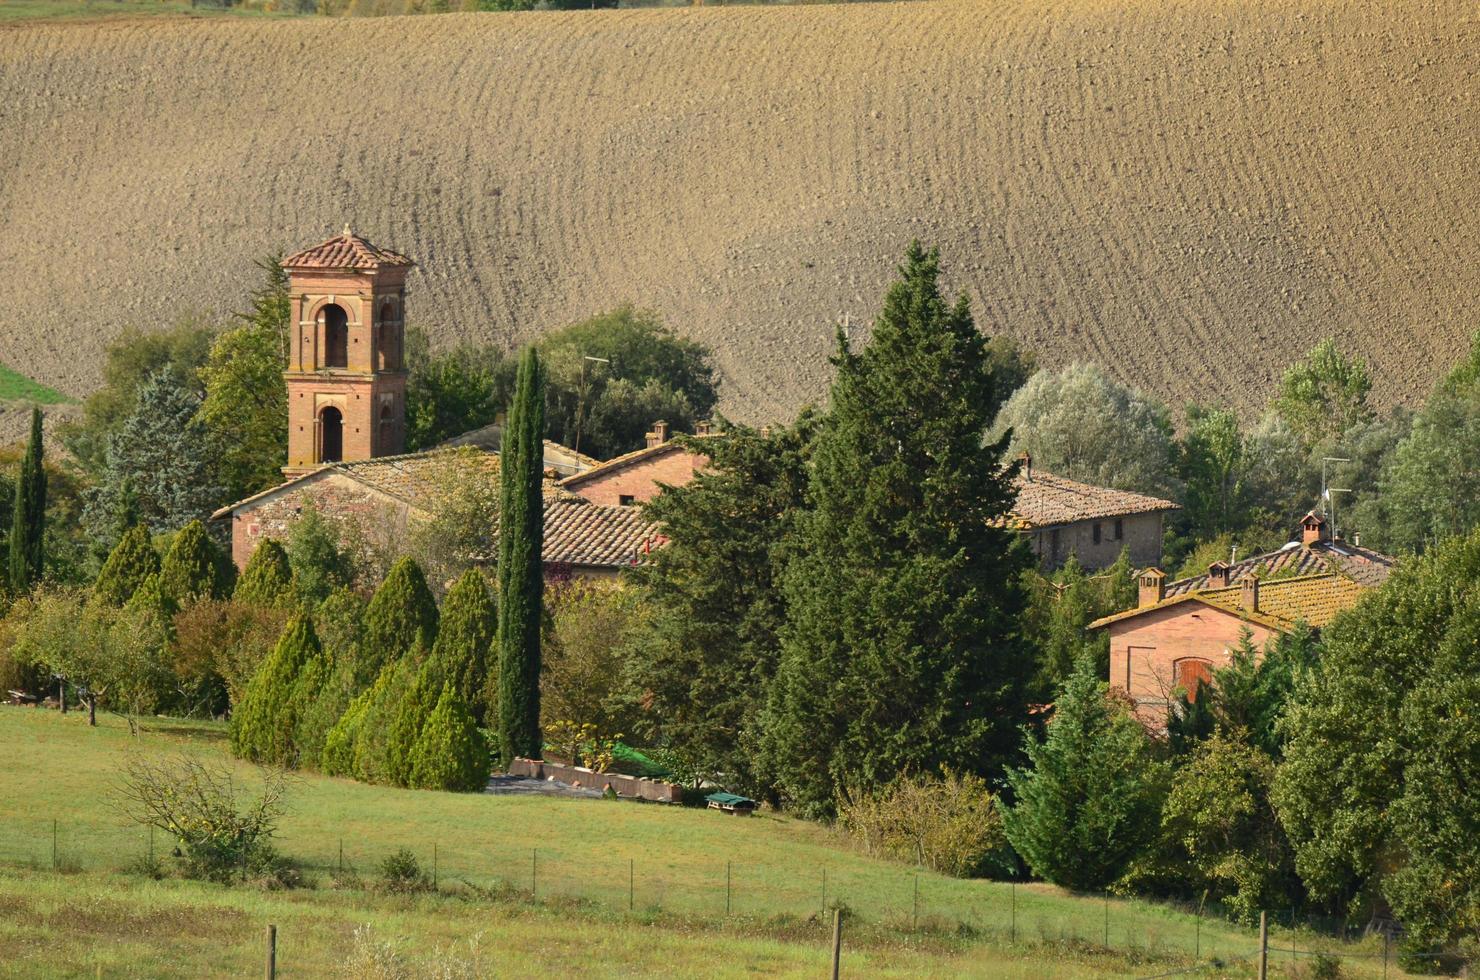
[562, 459]
[1045, 499]
[578, 532]
[1312, 599]
[1361, 565]
[345, 251]
[630, 459]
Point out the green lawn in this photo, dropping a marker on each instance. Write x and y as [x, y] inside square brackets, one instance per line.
[23, 10]
[588, 860]
[15, 386]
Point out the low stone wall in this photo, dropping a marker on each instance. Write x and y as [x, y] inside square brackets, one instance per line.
[630, 786]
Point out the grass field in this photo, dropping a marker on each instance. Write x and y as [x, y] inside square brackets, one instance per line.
[17, 387]
[590, 861]
[13, 11]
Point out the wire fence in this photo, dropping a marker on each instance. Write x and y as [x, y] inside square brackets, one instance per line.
[1166, 943]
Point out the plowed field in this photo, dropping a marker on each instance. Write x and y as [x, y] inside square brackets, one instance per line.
[1190, 193]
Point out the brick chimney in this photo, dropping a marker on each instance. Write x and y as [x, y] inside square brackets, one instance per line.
[659, 435]
[703, 428]
[1218, 575]
[1027, 468]
[1248, 597]
[1312, 529]
[1153, 587]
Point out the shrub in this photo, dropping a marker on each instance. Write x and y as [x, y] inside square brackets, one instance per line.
[132, 561]
[338, 756]
[195, 567]
[267, 580]
[225, 639]
[223, 834]
[373, 730]
[947, 823]
[407, 721]
[450, 753]
[465, 638]
[401, 615]
[264, 725]
[401, 873]
[319, 565]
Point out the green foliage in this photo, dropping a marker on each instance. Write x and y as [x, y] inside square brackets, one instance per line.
[520, 572]
[161, 454]
[246, 398]
[464, 648]
[194, 567]
[460, 529]
[450, 752]
[1079, 423]
[1062, 605]
[1091, 799]
[340, 620]
[318, 562]
[264, 725]
[1325, 394]
[603, 409]
[948, 823]
[1011, 363]
[267, 580]
[343, 737]
[219, 645]
[713, 591]
[401, 615]
[373, 727]
[593, 630]
[1382, 738]
[27, 537]
[1211, 463]
[901, 650]
[450, 393]
[132, 358]
[132, 561]
[409, 718]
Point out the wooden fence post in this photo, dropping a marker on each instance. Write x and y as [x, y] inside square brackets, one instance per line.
[271, 966]
[1263, 946]
[837, 941]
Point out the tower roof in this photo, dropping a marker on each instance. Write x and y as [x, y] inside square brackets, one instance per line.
[346, 251]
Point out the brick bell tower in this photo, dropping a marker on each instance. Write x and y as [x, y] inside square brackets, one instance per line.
[346, 372]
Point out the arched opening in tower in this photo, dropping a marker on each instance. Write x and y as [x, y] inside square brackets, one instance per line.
[336, 337]
[387, 429]
[388, 358]
[331, 435]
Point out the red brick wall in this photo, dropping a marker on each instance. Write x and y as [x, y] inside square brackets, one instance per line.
[640, 479]
[335, 496]
[1144, 650]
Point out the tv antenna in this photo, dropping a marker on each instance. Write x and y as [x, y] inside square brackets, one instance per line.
[1328, 502]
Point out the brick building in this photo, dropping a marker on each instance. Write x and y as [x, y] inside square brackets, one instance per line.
[1180, 632]
[640, 476]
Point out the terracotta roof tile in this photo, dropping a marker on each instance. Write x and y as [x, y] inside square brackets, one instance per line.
[1312, 599]
[628, 459]
[346, 251]
[1045, 499]
[578, 532]
[1361, 565]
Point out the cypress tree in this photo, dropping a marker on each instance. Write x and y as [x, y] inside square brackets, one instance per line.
[902, 648]
[263, 724]
[373, 737]
[132, 562]
[28, 518]
[520, 574]
[465, 639]
[338, 757]
[401, 616]
[450, 753]
[409, 718]
[267, 580]
[194, 568]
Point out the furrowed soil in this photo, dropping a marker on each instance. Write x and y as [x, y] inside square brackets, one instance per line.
[1190, 193]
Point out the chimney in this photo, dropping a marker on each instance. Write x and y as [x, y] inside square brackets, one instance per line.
[1153, 587]
[703, 428]
[659, 435]
[1218, 575]
[1027, 469]
[1248, 598]
[1312, 529]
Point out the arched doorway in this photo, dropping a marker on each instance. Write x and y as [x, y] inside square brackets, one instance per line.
[336, 337]
[387, 434]
[331, 435]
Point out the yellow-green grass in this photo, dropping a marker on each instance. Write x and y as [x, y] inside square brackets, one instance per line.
[37, 10]
[15, 386]
[581, 853]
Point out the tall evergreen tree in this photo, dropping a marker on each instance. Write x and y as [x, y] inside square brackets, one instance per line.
[263, 724]
[401, 616]
[131, 563]
[902, 649]
[520, 573]
[28, 517]
[465, 638]
[164, 452]
[195, 567]
[267, 580]
[450, 752]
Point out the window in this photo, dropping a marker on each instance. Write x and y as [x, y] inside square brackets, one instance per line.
[336, 337]
[331, 435]
[1119, 529]
[626, 499]
[1097, 532]
[1053, 542]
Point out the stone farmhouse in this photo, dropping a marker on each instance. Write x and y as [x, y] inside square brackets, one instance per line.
[1062, 517]
[1180, 632]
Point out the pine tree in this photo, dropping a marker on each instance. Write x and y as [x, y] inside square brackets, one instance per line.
[28, 517]
[1092, 797]
[450, 753]
[267, 580]
[520, 572]
[465, 638]
[401, 616]
[263, 725]
[132, 561]
[902, 649]
[195, 567]
[164, 452]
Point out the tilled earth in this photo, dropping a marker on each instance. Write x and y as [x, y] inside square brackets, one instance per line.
[1189, 193]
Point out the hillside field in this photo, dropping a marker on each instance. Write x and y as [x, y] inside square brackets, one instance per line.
[630, 880]
[1191, 193]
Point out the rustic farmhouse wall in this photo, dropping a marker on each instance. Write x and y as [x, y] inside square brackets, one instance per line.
[272, 515]
[638, 481]
[1097, 543]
